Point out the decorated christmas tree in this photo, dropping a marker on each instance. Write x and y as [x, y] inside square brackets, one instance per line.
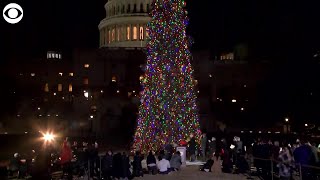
[168, 112]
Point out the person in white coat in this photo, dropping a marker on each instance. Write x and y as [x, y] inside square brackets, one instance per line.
[163, 165]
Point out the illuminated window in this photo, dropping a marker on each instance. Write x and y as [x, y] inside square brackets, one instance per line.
[114, 79]
[85, 81]
[135, 33]
[118, 34]
[128, 33]
[141, 33]
[60, 73]
[59, 56]
[86, 65]
[70, 87]
[49, 55]
[46, 87]
[113, 34]
[70, 74]
[59, 87]
[227, 56]
[33, 74]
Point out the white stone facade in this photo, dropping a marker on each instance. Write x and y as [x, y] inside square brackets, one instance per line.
[125, 23]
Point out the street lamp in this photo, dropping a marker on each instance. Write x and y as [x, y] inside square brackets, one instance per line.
[86, 94]
[287, 124]
[48, 137]
[306, 125]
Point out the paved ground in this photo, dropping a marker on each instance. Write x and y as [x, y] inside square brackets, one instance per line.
[193, 173]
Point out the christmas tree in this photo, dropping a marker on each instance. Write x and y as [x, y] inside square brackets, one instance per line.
[168, 111]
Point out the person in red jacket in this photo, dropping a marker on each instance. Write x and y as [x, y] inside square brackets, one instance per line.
[66, 157]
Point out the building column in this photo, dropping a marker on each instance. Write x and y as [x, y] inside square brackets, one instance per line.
[101, 37]
[107, 35]
[145, 31]
[104, 36]
[115, 33]
[123, 31]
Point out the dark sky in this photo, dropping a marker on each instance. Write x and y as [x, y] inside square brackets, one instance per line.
[278, 30]
[274, 28]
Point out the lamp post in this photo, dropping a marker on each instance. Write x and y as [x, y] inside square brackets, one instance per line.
[287, 125]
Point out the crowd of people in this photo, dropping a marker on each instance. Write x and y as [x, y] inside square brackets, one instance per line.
[286, 157]
[119, 166]
[233, 156]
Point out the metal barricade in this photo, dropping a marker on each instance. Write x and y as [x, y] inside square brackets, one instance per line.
[309, 172]
[298, 171]
[263, 167]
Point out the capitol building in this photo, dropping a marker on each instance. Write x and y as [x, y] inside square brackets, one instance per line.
[125, 24]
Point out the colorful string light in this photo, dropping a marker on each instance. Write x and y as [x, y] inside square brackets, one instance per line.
[168, 112]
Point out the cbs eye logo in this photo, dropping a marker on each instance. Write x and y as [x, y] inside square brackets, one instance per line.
[12, 13]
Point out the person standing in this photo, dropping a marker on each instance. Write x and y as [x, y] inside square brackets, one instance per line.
[42, 165]
[213, 147]
[192, 148]
[4, 170]
[14, 164]
[168, 149]
[285, 164]
[117, 165]
[137, 166]
[315, 153]
[303, 155]
[66, 157]
[125, 173]
[204, 146]
[107, 165]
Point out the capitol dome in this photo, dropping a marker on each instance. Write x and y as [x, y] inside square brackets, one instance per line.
[125, 23]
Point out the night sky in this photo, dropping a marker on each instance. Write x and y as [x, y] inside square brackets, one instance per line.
[271, 28]
[286, 32]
